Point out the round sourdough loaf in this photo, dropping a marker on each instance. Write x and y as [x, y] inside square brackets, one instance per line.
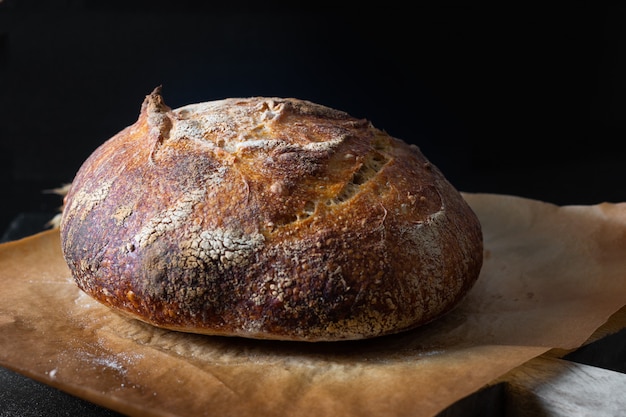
[269, 218]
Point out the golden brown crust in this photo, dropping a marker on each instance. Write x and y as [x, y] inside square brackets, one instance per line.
[268, 218]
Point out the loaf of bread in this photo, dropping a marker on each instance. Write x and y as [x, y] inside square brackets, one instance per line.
[268, 218]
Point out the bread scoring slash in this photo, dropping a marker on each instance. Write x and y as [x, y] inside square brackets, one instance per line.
[268, 218]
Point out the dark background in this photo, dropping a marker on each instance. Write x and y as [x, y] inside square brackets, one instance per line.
[526, 101]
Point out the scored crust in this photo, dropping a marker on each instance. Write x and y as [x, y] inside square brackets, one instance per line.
[270, 218]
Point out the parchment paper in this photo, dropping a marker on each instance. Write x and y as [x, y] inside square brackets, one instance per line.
[552, 275]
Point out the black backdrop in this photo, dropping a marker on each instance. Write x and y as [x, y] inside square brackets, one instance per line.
[526, 101]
